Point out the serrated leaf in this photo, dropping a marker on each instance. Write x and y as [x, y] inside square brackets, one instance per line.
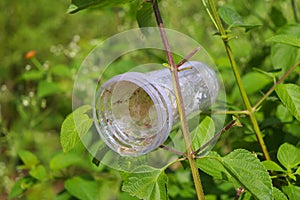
[293, 192]
[289, 95]
[245, 168]
[144, 15]
[28, 158]
[83, 189]
[273, 166]
[230, 16]
[278, 195]
[75, 126]
[77, 5]
[291, 40]
[212, 166]
[203, 133]
[38, 172]
[46, 88]
[146, 182]
[288, 155]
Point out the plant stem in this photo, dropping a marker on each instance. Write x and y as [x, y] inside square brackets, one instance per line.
[238, 79]
[295, 10]
[273, 87]
[180, 103]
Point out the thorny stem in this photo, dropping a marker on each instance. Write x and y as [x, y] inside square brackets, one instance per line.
[273, 87]
[238, 78]
[180, 104]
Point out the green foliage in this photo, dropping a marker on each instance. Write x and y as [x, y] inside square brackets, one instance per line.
[75, 126]
[289, 95]
[36, 93]
[146, 183]
[241, 168]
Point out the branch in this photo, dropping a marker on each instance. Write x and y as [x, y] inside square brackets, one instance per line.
[180, 103]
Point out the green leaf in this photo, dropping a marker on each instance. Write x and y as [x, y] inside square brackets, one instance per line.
[253, 82]
[293, 192]
[21, 186]
[32, 75]
[291, 40]
[144, 15]
[46, 88]
[288, 155]
[289, 95]
[63, 196]
[28, 158]
[75, 126]
[273, 166]
[211, 165]
[278, 195]
[203, 133]
[61, 70]
[298, 171]
[282, 55]
[245, 168]
[83, 189]
[64, 160]
[78, 5]
[230, 16]
[39, 173]
[146, 182]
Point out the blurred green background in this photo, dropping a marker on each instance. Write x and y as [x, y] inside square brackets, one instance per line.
[35, 94]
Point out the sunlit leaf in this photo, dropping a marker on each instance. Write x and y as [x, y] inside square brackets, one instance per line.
[75, 126]
[203, 133]
[28, 158]
[146, 182]
[273, 166]
[289, 95]
[288, 155]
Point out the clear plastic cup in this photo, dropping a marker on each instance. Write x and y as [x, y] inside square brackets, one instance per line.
[134, 112]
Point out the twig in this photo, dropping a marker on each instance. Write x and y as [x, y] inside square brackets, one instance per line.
[188, 57]
[216, 136]
[278, 82]
[172, 150]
